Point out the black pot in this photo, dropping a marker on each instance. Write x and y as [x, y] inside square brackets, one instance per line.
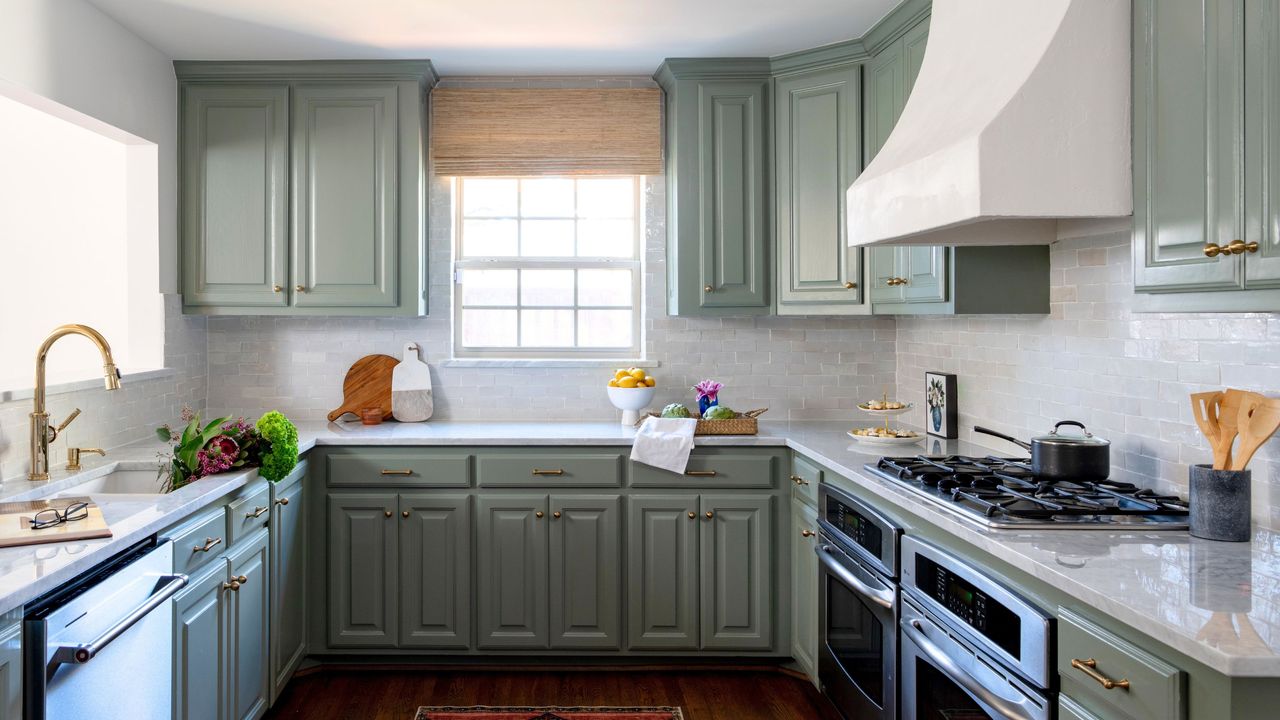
[1065, 457]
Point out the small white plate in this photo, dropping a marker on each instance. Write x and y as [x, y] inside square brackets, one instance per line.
[874, 440]
[885, 413]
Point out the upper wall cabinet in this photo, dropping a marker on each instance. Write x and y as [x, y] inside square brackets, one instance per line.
[1206, 210]
[304, 187]
[716, 114]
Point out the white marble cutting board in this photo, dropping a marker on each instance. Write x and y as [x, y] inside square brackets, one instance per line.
[411, 399]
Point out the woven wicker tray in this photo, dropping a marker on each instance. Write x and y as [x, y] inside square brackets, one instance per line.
[744, 424]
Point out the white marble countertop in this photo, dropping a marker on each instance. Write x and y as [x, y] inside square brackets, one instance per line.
[1218, 603]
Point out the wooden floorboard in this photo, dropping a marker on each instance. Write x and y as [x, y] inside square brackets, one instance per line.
[395, 693]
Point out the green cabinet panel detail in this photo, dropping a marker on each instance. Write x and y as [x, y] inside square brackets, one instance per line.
[662, 571]
[344, 195]
[511, 567]
[1262, 142]
[737, 571]
[288, 577]
[249, 612]
[817, 156]
[435, 570]
[362, 570]
[804, 588]
[585, 600]
[11, 669]
[234, 194]
[1156, 689]
[200, 649]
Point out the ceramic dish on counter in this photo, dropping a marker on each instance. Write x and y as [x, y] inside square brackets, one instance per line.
[885, 436]
[870, 409]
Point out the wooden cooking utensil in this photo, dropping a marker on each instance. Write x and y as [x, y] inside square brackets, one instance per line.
[1259, 418]
[367, 385]
[1229, 422]
[1204, 406]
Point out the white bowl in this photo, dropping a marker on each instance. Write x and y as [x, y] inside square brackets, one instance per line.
[630, 401]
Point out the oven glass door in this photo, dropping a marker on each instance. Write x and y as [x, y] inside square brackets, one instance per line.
[859, 643]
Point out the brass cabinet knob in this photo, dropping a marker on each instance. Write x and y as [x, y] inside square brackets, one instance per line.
[1240, 247]
[232, 586]
[799, 480]
[209, 544]
[539, 514]
[556, 515]
[891, 282]
[693, 515]
[806, 533]
[387, 513]
[277, 288]
[404, 513]
[300, 288]
[243, 579]
[282, 501]
[708, 288]
[710, 514]
[850, 285]
[1089, 667]
[1213, 250]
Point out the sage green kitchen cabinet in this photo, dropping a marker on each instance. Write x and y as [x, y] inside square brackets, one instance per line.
[235, 151]
[200, 651]
[585, 600]
[718, 238]
[249, 613]
[910, 274]
[662, 571]
[818, 154]
[737, 571]
[288, 577]
[1262, 144]
[11, 666]
[304, 187]
[804, 588]
[362, 574]
[511, 567]
[435, 570]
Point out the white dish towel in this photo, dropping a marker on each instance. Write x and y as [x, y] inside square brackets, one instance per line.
[664, 443]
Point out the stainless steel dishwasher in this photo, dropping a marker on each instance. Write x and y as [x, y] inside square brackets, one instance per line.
[101, 646]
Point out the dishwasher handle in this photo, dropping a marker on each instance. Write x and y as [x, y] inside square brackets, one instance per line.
[81, 653]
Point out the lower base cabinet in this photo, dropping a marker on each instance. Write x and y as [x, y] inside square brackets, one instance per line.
[11, 665]
[220, 624]
[288, 578]
[804, 588]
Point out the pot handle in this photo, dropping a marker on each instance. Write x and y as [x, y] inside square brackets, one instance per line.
[1073, 423]
[1002, 436]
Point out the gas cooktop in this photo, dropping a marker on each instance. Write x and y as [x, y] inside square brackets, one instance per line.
[1004, 493]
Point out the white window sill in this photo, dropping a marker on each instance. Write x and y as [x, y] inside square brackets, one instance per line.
[126, 378]
[546, 363]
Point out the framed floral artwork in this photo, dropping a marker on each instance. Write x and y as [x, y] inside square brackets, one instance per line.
[940, 417]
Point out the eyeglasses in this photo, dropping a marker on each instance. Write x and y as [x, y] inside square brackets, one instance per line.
[52, 517]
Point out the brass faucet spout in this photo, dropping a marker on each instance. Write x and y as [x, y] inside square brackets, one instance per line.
[41, 433]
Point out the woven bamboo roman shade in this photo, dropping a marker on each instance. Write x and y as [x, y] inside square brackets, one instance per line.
[532, 132]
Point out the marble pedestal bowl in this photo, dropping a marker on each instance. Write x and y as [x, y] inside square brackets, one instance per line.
[631, 401]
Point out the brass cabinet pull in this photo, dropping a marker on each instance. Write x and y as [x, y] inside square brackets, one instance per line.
[282, 501]
[1089, 667]
[806, 533]
[539, 514]
[300, 288]
[559, 471]
[708, 288]
[556, 515]
[700, 473]
[257, 512]
[693, 515]
[799, 480]
[850, 285]
[277, 289]
[232, 586]
[209, 544]
[710, 514]
[404, 471]
[1240, 247]
[404, 513]
[387, 513]
[1214, 250]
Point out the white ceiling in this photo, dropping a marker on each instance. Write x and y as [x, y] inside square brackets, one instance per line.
[495, 37]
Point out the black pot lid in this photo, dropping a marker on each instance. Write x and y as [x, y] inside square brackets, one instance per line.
[1082, 438]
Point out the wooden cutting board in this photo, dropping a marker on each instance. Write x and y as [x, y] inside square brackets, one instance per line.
[411, 399]
[15, 523]
[367, 384]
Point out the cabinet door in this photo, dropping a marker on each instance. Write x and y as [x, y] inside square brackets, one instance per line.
[883, 97]
[235, 195]
[925, 273]
[11, 669]
[888, 264]
[288, 584]
[1186, 161]
[662, 571]
[586, 601]
[732, 234]
[511, 563]
[249, 611]
[1262, 142]
[818, 155]
[804, 588]
[435, 571]
[345, 226]
[737, 572]
[200, 661]
[362, 570]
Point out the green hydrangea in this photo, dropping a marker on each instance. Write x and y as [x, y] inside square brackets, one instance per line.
[276, 429]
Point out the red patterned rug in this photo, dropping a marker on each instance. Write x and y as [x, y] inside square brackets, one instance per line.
[548, 713]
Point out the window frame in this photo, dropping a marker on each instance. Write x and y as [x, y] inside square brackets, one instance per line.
[635, 264]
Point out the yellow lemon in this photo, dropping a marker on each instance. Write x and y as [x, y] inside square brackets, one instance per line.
[637, 373]
[621, 374]
[628, 382]
[650, 381]
[613, 382]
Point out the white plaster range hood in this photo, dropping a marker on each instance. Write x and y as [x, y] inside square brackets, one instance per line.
[1019, 117]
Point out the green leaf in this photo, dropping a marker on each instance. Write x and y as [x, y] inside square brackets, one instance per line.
[163, 433]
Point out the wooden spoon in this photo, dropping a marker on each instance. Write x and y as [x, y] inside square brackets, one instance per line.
[1204, 406]
[1229, 422]
[1258, 419]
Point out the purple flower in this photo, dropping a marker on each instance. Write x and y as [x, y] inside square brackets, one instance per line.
[708, 389]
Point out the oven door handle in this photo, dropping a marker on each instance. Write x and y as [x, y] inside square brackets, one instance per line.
[1005, 708]
[883, 598]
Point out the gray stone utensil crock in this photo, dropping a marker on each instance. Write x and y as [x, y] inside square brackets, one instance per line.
[1220, 503]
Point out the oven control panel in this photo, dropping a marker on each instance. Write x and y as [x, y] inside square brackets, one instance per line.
[971, 605]
[855, 526]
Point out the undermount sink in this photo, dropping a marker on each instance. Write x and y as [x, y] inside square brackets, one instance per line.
[120, 482]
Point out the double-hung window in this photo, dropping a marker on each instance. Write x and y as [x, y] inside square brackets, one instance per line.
[548, 268]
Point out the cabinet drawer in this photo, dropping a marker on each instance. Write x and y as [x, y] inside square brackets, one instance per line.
[711, 468]
[248, 512]
[551, 468]
[805, 477]
[398, 468]
[201, 540]
[1155, 688]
